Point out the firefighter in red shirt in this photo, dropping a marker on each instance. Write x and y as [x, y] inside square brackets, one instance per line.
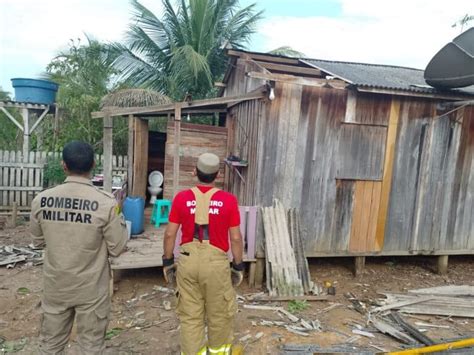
[207, 216]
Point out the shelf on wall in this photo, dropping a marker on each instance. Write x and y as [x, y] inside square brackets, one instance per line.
[235, 165]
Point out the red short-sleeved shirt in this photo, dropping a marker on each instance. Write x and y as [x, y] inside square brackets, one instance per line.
[223, 214]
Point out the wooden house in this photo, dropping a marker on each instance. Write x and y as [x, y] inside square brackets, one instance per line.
[376, 161]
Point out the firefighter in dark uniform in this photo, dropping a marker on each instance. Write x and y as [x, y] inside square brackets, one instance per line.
[207, 216]
[79, 227]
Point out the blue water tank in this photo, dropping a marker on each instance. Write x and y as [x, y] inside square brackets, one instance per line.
[35, 90]
[133, 211]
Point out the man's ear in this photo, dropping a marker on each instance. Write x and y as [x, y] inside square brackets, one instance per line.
[195, 172]
[65, 169]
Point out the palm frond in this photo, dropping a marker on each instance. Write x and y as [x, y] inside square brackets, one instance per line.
[181, 50]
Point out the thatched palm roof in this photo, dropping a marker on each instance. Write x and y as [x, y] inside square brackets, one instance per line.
[134, 98]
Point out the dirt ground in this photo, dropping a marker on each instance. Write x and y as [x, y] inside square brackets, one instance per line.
[140, 324]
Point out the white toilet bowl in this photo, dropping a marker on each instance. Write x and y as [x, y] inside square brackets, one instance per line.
[155, 179]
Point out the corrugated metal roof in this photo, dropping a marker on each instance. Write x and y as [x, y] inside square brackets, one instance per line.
[381, 76]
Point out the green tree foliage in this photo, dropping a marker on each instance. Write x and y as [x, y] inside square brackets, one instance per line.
[464, 21]
[10, 135]
[287, 51]
[85, 74]
[183, 51]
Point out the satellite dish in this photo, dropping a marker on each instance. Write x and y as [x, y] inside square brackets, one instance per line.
[453, 65]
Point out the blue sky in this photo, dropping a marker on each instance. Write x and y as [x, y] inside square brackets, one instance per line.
[402, 32]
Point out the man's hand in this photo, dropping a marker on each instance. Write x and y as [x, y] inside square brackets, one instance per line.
[237, 273]
[169, 270]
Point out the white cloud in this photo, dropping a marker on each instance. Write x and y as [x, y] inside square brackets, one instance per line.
[33, 31]
[404, 32]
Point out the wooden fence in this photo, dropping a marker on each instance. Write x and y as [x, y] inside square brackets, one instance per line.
[22, 179]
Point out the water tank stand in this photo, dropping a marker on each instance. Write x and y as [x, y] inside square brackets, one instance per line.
[26, 109]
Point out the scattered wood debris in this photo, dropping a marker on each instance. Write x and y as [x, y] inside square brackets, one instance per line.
[388, 329]
[434, 305]
[300, 349]
[427, 325]
[297, 326]
[415, 333]
[451, 290]
[363, 333]
[167, 290]
[10, 255]
[261, 297]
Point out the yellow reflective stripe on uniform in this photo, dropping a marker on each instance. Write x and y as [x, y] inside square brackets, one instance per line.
[223, 350]
[203, 351]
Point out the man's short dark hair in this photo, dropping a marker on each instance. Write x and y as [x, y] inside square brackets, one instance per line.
[78, 157]
[206, 178]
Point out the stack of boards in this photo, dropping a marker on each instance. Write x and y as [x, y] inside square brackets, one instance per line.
[286, 265]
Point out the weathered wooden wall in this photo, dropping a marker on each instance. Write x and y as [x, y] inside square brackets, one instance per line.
[243, 123]
[238, 82]
[195, 140]
[371, 174]
[431, 199]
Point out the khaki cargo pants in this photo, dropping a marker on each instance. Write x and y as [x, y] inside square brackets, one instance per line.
[205, 293]
[91, 319]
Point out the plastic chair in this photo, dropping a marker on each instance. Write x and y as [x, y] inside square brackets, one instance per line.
[160, 212]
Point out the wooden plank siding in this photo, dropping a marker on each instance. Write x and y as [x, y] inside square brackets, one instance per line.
[364, 219]
[431, 196]
[195, 140]
[361, 152]
[244, 124]
[238, 82]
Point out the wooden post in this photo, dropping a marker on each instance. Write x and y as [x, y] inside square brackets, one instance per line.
[26, 134]
[130, 154]
[14, 215]
[140, 157]
[259, 272]
[252, 274]
[359, 264]
[442, 265]
[177, 142]
[108, 139]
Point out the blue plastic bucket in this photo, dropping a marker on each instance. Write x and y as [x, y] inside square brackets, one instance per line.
[133, 211]
[35, 90]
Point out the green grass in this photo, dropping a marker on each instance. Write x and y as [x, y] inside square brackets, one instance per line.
[297, 306]
[112, 333]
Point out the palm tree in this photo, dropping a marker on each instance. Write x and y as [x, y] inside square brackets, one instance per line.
[463, 21]
[183, 52]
